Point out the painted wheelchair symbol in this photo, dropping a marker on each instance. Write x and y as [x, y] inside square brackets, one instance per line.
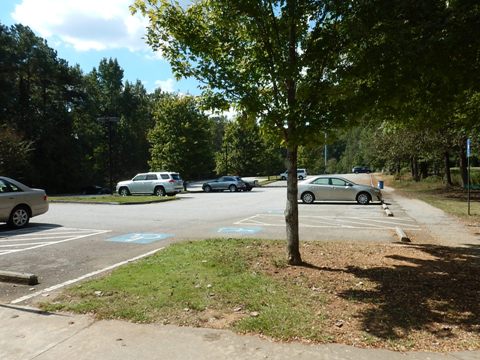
[140, 238]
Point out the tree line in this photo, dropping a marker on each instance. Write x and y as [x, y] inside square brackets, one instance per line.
[62, 129]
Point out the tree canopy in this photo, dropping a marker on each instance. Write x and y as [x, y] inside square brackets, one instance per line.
[181, 138]
[275, 60]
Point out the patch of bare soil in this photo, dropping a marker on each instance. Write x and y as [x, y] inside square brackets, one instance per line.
[395, 296]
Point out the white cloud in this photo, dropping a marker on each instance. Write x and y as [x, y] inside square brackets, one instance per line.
[166, 85]
[84, 24]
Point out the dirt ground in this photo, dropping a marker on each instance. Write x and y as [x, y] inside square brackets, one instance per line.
[398, 296]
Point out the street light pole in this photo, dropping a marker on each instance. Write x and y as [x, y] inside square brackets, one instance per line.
[226, 158]
[109, 120]
[325, 153]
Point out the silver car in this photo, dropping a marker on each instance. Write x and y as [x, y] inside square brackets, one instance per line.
[18, 202]
[335, 188]
[156, 183]
[231, 183]
[301, 174]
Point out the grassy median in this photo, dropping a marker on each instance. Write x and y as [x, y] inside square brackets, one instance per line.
[395, 296]
[111, 199]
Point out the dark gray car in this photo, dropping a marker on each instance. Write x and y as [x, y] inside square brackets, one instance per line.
[231, 183]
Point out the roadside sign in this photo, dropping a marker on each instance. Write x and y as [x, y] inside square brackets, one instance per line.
[468, 172]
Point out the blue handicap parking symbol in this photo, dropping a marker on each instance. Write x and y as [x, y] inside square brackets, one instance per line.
[239, 230]
[140, 238]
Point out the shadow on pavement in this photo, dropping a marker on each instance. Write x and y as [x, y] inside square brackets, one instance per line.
[30, 229]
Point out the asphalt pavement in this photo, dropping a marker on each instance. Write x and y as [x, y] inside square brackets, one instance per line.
[28, 333]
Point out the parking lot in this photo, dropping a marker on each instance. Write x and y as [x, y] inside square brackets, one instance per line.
[74, 241]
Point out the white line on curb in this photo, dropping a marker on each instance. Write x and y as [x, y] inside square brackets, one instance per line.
[69, 282]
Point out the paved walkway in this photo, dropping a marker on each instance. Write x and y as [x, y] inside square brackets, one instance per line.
[443, 228]
[27, 334]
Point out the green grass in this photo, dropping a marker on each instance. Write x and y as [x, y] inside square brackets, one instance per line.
[244, 285]
[187, 280]
[111, 199]
[452, 200]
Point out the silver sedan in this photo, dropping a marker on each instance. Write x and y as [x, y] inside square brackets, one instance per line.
[335, 188]
[18, 202]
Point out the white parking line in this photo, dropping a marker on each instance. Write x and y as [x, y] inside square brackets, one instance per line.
[83, 277]
[312, 221]
[49, 236]
[23, 244]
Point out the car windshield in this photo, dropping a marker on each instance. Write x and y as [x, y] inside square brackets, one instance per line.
[176, 177]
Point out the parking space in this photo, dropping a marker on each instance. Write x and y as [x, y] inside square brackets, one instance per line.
[28, 239]
[332, 221]
[324, 221]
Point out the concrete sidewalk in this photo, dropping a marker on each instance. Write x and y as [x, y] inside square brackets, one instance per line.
[443, 228]
[28, 334]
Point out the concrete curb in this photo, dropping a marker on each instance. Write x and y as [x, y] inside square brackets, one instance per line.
[109, 202]
[18, 278]
[387, 210]
[401, 235]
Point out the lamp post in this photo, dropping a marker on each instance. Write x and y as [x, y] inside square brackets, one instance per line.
[325, 153]
[109, 120]
[226, 158]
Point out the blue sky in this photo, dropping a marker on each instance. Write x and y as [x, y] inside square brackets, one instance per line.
[85, 31]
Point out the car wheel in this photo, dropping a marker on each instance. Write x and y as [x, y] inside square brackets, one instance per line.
[159, 191]
[308, 198]
[363, 198]
[300, 177]
[283, 178]
[19, 217]
[207, 188]
[232, 188]
[124, 191]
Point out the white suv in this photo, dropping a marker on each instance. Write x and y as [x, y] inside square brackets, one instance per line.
[156, 183]
[301, 174]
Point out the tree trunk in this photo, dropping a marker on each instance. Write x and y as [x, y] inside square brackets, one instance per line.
[424, 169]
[414, 167]
[448, 174]
[291, 210]
[398, 168]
